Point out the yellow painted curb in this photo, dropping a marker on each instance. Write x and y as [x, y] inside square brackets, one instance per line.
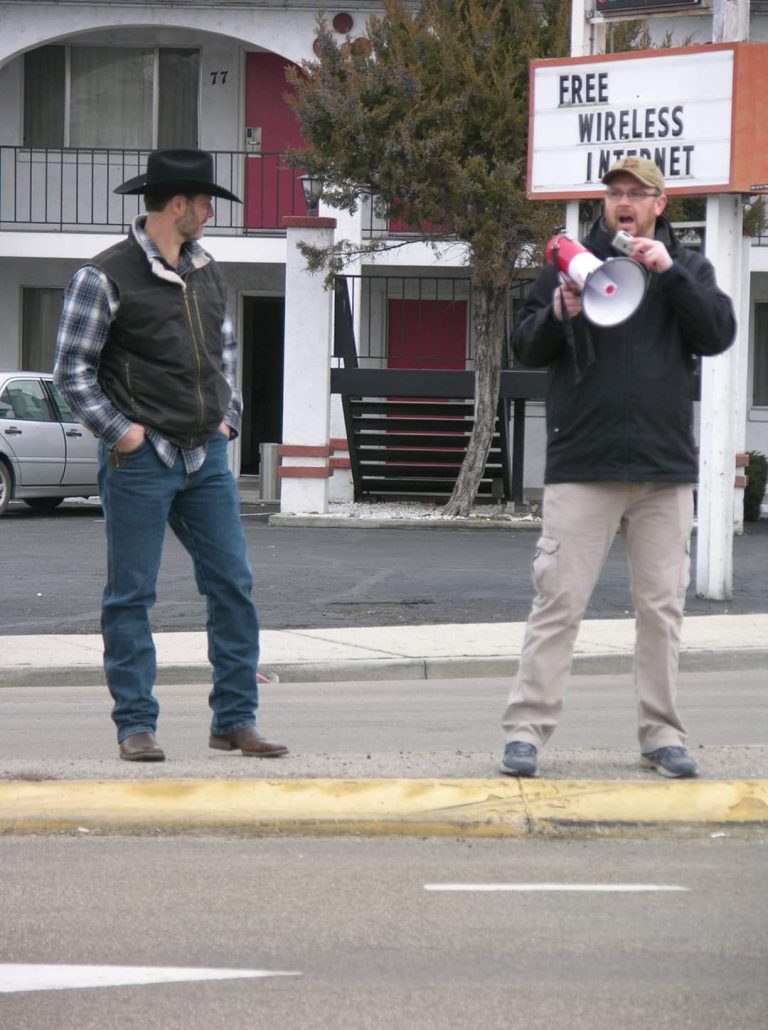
[552, 803]
[317, 805]
[502, 807]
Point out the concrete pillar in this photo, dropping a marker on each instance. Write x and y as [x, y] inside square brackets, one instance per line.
[720, 389]
[741, 399]
[723, 378]
[587, 30]
[305, 450]
[730, 20]
[587, 38]
[340, 488]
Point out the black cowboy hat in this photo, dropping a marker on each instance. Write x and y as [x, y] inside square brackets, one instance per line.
[177, 171]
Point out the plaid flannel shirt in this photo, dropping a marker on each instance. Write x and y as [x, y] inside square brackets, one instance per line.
[91, 303]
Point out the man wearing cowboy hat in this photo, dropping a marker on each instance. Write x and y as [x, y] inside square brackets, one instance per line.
[146, 358]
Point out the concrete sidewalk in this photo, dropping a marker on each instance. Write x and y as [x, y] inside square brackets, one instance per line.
[388, 652]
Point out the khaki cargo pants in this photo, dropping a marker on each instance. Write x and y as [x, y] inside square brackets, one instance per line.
[579, 525]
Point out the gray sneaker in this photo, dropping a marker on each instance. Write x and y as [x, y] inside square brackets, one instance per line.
[519, 759]
[674, 762]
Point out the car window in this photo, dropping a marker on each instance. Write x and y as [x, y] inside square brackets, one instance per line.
[65, 412]
[27, 401]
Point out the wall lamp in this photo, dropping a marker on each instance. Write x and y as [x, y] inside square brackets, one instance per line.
[313, 188]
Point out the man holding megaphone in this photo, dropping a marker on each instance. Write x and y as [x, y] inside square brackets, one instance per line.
[620, 352]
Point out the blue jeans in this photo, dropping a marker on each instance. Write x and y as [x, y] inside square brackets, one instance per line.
[139, 498]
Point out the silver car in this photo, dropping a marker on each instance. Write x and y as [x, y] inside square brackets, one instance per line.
[45, 454]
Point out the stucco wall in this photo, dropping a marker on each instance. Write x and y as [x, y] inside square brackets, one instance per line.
[285, 29]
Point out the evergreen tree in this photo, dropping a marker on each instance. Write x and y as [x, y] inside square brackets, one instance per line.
[432, 117]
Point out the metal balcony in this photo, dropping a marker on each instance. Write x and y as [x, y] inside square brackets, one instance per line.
[72, 190]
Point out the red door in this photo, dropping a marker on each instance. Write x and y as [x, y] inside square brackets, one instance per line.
[427, 334]
[272, 188]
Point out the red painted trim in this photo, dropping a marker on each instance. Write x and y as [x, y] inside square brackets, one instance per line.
[742, 460]
[308, 222]
[740, 482]
[299, 450]
[339, 443]
[340, 463]
[303, 472]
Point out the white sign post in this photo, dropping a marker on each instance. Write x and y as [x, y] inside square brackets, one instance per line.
[720, 389]
[724, 378]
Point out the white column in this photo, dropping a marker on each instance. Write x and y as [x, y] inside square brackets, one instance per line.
[305, 451]
[730, 21]
[340, 488]
[741, 398]
[587, 38]
[587, 30]
[720, 404]
[723, 378]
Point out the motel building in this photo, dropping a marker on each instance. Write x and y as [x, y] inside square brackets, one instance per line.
[90, 88]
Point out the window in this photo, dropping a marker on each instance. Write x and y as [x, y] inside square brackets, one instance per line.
[63, 409]
[26, 399]
[119, 97]
[760, 368]
[110, 101]
[40, 313]
[44, 73]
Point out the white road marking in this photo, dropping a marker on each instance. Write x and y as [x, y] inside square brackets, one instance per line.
[607, 888]
[17, 977]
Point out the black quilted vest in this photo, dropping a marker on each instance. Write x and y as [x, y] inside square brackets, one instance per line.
[161, 364]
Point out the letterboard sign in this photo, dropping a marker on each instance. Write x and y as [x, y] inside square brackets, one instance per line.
[692, 110]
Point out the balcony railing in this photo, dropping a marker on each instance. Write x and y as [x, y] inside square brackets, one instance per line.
[410, 322]
[72, 190]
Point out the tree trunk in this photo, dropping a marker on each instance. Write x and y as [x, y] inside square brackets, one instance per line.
[489, 305]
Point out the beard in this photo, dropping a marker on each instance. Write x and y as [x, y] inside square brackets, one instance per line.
[189, 226]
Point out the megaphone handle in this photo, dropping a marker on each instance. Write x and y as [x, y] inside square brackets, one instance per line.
[566, 281]
[570, 337]
[566, 318]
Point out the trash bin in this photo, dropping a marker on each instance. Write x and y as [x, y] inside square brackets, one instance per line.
[268, 483]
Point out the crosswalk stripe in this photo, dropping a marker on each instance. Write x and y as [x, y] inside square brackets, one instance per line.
[18, 977]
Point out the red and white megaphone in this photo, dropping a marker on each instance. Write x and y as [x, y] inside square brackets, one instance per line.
[611, 291]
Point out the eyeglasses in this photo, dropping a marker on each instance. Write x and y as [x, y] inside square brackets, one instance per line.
[633, 196]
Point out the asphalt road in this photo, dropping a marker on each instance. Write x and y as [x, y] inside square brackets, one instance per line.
[52, 574]
[374, 948]
[425, 728]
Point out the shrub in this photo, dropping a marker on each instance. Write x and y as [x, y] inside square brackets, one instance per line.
[757, 474]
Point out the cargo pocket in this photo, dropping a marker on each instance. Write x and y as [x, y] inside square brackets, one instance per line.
[546, 566]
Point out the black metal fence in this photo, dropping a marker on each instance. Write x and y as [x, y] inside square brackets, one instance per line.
[407, 321]
[416, 322]
[72, 190]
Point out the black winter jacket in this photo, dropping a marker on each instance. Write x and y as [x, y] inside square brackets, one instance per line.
[620, 400]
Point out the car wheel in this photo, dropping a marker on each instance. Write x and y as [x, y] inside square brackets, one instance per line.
[43, 503]
[6, 485]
